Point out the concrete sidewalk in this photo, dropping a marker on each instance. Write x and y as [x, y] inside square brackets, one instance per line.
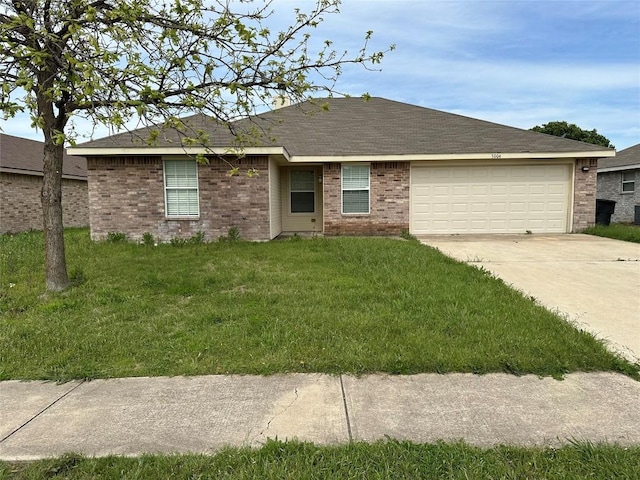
[132, 416]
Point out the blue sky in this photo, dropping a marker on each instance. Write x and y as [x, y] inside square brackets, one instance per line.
[519, 63]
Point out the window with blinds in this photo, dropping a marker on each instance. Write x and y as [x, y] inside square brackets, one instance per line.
[181, 188]
[355, 189]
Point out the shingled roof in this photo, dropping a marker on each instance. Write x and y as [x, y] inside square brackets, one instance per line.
[626, 159]
[24, 156]
[355, 127]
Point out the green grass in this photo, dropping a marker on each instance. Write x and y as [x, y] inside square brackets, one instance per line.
[380, 460]
[619, 231]
[319, 305]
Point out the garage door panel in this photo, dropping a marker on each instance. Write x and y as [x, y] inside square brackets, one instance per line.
[556, 189]
[490, 199]
[518, 225]
[498, 207]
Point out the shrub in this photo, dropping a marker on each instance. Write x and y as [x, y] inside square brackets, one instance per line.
[116, 237]
[148, 240]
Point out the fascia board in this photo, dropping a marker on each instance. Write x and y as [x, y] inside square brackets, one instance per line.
[635, 166]
[448, 157]
[110, 151]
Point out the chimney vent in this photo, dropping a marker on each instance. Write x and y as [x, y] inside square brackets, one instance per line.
[281, 100]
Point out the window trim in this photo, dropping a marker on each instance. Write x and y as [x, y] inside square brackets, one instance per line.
[368, 189]
[631, 182]
[315, 194]
[166, 189]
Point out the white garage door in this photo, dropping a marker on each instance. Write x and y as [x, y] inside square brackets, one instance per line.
[490, 199]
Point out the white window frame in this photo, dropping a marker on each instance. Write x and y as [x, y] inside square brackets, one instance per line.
[291, 190]
[355, 189]
[631, 181]
[192, 188]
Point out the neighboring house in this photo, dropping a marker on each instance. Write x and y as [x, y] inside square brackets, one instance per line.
[619, 180]
[21, 163]
[378, 167]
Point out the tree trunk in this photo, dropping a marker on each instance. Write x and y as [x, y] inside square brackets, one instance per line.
[57, 278]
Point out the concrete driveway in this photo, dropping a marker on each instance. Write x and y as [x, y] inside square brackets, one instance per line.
[594, 282]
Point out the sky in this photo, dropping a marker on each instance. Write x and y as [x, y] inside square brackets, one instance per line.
[517, 62]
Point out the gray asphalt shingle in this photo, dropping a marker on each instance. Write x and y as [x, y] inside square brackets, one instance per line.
[627, 157]
[22, 155]
[354, 127]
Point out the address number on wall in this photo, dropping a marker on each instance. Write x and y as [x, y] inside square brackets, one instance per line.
[496, 155]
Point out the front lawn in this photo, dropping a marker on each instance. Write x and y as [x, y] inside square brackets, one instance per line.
[318, 305]
[619, 231]
[380, 460]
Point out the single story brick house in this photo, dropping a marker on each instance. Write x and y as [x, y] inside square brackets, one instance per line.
[342, 166]
[21, 163]
[619, 180]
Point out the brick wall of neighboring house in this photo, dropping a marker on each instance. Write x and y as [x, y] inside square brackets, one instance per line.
[584, 196]
[21, 210]
[388, 197]
[126, 194]
[610, 188]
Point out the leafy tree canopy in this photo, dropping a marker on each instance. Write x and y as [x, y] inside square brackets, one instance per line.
[112, 61]
[573, 132]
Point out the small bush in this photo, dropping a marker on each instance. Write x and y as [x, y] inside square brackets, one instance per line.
[233, 235]
[148, 240]
[197, 239]
[178, 242]
[116, 237]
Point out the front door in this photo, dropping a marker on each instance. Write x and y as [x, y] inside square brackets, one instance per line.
[302, 202]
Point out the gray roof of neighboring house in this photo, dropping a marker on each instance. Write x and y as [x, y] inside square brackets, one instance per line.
[21, 155]
[626, 159]
[353, 126]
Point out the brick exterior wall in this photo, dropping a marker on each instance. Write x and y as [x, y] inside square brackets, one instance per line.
[21, 210]
[388, 197]
[126, 194]
[584, 195]
[610, 188]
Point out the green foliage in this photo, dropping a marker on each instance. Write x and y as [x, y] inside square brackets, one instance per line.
[113, 62]
[573, 132]
[619, 231]
[197, 238]
[407, 236]
[178, 242]
[116, 237]
[312, 305]
[148, 240]
[378, 460]
[233, 235]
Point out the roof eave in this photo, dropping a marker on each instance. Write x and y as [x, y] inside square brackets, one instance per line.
[449, 156]
[166, 151]
[634, 166]
[35, 173]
